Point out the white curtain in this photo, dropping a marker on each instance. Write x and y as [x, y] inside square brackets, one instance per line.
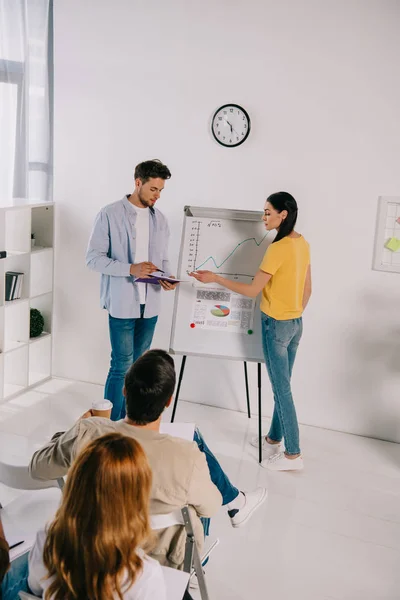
[25, 101]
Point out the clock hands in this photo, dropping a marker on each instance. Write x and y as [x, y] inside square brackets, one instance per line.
[232, 128]
[226, 120]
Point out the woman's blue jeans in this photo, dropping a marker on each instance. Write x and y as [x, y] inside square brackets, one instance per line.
[280, 342]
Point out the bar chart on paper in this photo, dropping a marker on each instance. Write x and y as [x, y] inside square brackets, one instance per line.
[209, 319]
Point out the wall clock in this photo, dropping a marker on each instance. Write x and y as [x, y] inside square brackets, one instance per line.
[230, 125]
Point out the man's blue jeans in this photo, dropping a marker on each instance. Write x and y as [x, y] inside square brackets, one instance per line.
[280, 342]
[16, 579]
[130, 338]
[218, 477]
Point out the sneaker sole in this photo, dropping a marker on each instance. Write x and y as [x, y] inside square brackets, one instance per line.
[289, 470]
[283, 470]
[260, 502]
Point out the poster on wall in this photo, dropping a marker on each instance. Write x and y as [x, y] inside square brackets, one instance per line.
[387, 235]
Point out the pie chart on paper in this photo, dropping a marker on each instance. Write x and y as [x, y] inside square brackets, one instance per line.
[220, 311]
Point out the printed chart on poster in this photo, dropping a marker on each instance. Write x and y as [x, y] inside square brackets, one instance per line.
[208, 319]
[387, 236]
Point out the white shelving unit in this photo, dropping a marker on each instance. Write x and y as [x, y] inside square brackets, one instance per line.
[25, 361]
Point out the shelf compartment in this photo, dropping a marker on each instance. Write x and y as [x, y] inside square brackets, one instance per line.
[16, 324]
[2, 311]
[44, 304]
[40, 359]
[19, 264]
[2, 282]
[17, 230]
[42, 227]
[1, 376]
[15, 371]
[41, 274]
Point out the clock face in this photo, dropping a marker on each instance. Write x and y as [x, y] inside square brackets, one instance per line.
[230, 125]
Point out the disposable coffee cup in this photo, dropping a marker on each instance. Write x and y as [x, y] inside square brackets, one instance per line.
[102, 408]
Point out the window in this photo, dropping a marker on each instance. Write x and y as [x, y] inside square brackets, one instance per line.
[26, 100]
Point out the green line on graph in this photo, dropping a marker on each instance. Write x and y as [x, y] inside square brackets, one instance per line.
[252, 239]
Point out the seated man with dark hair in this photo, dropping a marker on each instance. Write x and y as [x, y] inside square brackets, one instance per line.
[184, 473]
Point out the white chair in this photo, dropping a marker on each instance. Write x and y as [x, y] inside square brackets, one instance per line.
[175, 581]
[193, 564]
[26, 514]
[19, 478]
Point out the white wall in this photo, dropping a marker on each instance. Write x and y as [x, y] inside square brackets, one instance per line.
[137, 80]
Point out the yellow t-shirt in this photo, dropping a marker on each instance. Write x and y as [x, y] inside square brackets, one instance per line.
[287, 261]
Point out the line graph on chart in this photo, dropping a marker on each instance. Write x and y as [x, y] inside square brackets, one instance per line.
[230, 247]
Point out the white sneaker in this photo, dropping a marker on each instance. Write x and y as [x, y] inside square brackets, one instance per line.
[253, 500]
[267, 448]
[280, 462]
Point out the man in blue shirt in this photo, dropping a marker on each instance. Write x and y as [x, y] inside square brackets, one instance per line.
[129, 241]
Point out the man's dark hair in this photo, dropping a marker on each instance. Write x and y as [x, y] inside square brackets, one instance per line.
[151, 169]
[149, 384]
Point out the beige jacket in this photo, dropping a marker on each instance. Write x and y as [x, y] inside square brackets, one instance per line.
[180, 476]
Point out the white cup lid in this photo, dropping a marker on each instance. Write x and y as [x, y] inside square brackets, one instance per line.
[102, 405]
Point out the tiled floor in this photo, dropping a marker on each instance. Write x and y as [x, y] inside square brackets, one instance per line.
[329, 532]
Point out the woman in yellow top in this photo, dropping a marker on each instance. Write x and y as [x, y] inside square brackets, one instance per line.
[284, 278]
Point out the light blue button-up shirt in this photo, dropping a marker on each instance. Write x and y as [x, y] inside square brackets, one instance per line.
[111, 252]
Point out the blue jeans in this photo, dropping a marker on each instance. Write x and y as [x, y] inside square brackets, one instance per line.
[218, 477]
[130, 338]
[16, 580]
[280, 342]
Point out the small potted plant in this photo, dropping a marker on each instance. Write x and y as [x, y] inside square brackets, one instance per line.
[36, 323]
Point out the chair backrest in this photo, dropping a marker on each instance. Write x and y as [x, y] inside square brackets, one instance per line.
[19, 478]
[175, 581]
[162, 521]
[192, 559]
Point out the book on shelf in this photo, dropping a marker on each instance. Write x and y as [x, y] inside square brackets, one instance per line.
[14, 281]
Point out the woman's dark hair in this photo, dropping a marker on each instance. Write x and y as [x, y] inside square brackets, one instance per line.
[284, 201]
[152, 169]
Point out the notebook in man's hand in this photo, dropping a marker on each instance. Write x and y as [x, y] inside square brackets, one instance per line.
[155, 279]
[179, 430]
